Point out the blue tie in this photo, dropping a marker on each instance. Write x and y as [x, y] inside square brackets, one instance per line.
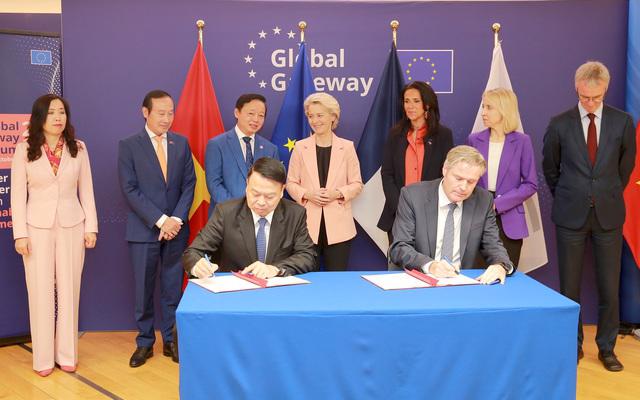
[249, 158]
[261, 240]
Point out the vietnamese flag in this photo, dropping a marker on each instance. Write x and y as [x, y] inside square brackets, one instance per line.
[198, 118]
[631, 228]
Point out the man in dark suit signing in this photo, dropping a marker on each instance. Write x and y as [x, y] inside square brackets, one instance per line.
[157, 179]
[442, 224]
[589, 152]
[261, 233]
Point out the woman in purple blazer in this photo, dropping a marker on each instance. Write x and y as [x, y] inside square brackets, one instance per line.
[511, 170]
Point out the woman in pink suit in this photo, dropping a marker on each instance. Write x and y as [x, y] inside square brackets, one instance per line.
[511, 168]
[324, 176]
[54, 220]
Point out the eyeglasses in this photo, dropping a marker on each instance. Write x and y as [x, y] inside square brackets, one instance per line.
[587, 99]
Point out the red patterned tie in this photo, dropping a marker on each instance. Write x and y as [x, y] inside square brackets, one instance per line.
[592, 141]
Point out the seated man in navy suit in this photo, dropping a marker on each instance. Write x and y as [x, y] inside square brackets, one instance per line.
[230, 155]
[261, 233]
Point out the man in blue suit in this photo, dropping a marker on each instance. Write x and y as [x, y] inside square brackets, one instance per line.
[230, 155]
[157, 178]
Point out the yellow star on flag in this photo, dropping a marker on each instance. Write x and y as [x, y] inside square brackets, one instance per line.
[290, 144]
[200, 192]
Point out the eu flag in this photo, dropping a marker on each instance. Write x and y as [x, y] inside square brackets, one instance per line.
[292, 123]
[385, 112]
[432, 66]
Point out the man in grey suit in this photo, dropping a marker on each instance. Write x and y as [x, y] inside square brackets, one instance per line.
[261, 233]
[589, 153]
[441, 225]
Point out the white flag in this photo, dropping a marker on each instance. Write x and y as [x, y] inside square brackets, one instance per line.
[534, 248]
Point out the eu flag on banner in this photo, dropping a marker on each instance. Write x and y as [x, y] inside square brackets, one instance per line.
[292, 123]
[385, 112]
[432, 66]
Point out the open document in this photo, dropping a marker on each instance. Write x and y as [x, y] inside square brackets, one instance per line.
[237, 281]
[414, 279]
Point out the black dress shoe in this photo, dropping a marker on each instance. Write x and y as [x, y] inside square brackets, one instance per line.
[610, 361]
[140, 356]
[580, 354]
[170, 350]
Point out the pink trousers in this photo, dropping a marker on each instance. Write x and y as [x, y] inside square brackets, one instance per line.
[56, 258]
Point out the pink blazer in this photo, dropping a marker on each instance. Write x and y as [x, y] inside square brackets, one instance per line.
[38, 196]
[344, 175]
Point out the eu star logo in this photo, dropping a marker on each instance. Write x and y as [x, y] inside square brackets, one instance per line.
[290, 144]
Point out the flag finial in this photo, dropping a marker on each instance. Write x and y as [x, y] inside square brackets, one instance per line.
[200, 25]
[302, 25]
[495, 28]
[394, 30]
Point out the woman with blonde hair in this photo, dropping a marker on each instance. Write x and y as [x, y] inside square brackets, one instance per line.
[511, 170]
[324, 176]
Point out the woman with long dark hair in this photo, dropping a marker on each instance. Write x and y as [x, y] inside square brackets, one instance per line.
[415, 150]
[54, 220]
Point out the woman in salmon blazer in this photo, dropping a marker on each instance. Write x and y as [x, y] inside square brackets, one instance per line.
[511, 168]
[324, 176]
[54, 219]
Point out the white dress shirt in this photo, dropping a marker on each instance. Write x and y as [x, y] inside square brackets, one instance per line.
[585, 121]
[154, 142]
[243, 146]
[493, 164]
[443, 210]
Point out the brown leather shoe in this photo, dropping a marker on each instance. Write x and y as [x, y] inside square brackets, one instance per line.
[610, 361]
[171, 350]
[140, 356]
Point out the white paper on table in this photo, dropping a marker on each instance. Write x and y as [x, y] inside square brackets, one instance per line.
[231, 283]
[403, 280]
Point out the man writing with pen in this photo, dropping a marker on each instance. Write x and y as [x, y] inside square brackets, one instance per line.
[441, 225]
[260, 234]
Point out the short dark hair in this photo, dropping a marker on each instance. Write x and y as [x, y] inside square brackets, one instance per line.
[154, 94]
[270, 168]
[249, 97]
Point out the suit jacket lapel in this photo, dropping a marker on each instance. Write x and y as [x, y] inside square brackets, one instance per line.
[172, 156]
[506, 157]
[65, 158]
[233, 145]
[276, 233]
[310, 160]
[337, 159]
[468, 211]
[605, 138]
[431, 209]
[578, 136]
[248, 231]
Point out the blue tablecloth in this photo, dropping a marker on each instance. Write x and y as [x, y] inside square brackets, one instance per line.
[343, 338]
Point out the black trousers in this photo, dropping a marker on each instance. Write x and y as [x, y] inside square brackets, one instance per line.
[513, 246]
[335, 256]
[607, 250]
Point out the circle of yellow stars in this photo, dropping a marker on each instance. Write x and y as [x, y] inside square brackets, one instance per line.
[430, 65]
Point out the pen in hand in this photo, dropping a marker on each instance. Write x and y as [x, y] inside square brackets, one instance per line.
[206, 257]
[445, 259]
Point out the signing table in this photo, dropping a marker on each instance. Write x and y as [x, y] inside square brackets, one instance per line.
[341, 337]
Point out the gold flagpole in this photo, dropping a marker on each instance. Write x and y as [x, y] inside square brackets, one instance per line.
[495, 28]
[394, 31]
[200, 25]
[302, 26]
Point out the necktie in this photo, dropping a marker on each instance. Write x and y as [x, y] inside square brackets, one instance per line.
[592, 141]
[161, 156]
[249, 158]
[261, 240]
[447, 238]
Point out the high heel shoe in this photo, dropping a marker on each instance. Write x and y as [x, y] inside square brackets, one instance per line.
[45, 372]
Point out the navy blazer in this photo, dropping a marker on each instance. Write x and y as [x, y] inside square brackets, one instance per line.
[517, 179]
[144, 187]
[574, 183]
[225, 167]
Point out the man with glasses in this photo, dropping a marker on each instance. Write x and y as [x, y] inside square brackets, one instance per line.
[588, 155]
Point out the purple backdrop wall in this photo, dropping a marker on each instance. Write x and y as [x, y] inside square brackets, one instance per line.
[114, 52]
